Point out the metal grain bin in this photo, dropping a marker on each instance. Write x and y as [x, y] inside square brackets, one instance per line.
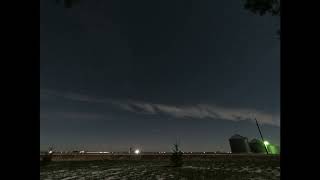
[239, 144]
[257, 146]
[273, 149]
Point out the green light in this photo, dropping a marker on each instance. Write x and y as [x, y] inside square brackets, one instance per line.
[266, 143]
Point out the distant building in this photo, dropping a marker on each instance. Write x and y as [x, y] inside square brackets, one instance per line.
[239, 144]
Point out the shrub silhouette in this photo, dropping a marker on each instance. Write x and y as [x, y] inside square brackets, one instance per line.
[176, 157]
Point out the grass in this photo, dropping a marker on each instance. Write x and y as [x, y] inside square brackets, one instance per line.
[191, 170]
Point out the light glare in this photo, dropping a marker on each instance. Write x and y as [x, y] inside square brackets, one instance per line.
[137, 151]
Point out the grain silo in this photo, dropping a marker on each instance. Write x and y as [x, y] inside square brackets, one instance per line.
[257, 146]
[239, 144]
[273, 149]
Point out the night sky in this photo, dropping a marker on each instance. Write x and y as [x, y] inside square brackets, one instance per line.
[121, 73]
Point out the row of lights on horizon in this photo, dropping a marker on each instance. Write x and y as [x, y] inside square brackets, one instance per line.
[137, 151]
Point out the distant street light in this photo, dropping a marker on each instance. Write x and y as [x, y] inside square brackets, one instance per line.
[137, 151]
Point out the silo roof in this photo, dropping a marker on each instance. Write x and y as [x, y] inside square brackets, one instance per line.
[237, 136]
[255, 141]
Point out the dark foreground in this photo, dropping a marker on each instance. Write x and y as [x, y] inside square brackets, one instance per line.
[215, 169]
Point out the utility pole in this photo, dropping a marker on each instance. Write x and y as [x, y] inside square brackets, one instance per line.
[261, 136]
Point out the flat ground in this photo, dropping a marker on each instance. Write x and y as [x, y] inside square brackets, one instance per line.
[156, 170]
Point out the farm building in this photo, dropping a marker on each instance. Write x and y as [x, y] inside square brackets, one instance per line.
[239, 144]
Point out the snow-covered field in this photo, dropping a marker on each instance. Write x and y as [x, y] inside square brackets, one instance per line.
[159, 170]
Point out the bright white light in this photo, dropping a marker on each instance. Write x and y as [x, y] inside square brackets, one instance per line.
[50, 152]
[137, 151]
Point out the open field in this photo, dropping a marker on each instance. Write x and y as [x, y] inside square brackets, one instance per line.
[164, 157]
[219, 169]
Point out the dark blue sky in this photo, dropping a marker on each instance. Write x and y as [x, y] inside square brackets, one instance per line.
[126, 73]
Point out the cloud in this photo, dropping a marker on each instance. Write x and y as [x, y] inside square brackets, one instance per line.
[70, 115]
[201, 111]
[198, 111]
[45, 93]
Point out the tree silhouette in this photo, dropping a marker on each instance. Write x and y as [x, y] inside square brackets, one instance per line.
[263, 7]
[176, 157]
[68, 3]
